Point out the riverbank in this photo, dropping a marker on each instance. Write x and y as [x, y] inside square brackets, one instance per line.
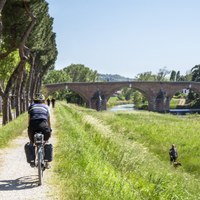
[124, 155]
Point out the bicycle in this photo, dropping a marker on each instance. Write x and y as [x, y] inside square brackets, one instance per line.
[39, 156]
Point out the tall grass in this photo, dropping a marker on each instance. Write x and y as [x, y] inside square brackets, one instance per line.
[12, 130]
[158, 132]
[99, 156]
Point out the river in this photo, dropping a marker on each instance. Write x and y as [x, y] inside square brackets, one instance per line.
[125, 107]
[130, 107]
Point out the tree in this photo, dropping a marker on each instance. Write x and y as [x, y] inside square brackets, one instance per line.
[15, 35]
[146, 76]
[173, 76]
[137, 99]
[56, 76]
[2, 3]
[161, 76]
[80, 73]
[178, 76]
[127, 93]
[196, 73]
[188, 76]
[72, 73]
[35, 43]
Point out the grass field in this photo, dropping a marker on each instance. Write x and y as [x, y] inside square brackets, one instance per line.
[13, 129]
[102, 155]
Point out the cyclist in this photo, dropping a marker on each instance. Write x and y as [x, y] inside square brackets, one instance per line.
[39, 119]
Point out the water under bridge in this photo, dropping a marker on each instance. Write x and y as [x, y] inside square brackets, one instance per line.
[158, 94]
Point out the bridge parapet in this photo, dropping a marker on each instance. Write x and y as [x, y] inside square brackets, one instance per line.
[157, 93]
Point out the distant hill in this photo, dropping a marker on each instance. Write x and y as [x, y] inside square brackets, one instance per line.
[112, 78]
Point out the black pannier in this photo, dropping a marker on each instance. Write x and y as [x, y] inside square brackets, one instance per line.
[48, 152]
[30, 152]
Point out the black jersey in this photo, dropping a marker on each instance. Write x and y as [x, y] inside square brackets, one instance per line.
[38, 111]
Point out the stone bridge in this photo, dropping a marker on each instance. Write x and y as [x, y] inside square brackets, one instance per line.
[158, 94]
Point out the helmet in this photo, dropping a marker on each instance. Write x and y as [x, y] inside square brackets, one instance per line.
[39, 97]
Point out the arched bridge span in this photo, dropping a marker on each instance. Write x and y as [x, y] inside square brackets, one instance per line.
[157, 93]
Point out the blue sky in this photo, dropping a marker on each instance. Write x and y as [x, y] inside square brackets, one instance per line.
[127, 37]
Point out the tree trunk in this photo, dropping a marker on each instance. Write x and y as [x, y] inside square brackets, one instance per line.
[18, 94]
[5, 109]
[35, 83]
[1, 104]
[39, 83]
[23, 92]
[30, 81]
[10, 110]
[2, 3]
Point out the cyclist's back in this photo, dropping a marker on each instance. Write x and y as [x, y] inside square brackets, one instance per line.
[39, 118]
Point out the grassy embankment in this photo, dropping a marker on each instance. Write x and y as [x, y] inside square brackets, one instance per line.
[12, 130]
[125, 156]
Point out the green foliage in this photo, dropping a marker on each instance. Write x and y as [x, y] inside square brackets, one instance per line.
[173, 76]
[8, 65]
[180, 95]
[56, 76]
[161, 76]
[173, 103]
[13, 24]
[196, 73]
[125, 156]
[138, 99]
[146, 76]
[112, 78]
[80, 73]
[112, 101]
[188, 76]
[127, 93]
[72, 73]
[42, 39]
[177, 75]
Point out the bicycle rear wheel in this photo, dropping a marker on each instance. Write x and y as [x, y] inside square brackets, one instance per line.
[40, 167]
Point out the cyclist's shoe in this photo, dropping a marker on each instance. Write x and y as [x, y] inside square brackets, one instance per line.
[32, 164]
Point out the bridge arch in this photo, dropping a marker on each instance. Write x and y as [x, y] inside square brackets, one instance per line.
[111, 92]
[158, 94]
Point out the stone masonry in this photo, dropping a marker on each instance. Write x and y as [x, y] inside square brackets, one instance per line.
[157, 93]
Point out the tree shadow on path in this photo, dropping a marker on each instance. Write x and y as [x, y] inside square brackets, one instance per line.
[21, 183]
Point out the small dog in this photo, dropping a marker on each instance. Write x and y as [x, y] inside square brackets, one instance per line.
[176, 164]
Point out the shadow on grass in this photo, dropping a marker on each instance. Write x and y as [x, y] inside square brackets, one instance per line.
[21, 183]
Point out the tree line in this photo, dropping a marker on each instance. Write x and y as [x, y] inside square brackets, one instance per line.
[27, 51]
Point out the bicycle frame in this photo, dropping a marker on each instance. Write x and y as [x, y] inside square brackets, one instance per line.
[40, 163]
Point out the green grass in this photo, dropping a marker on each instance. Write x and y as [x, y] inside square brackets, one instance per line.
[173, 103]
[113, 101]
[12, 130]
[124, 156]
[159, 132]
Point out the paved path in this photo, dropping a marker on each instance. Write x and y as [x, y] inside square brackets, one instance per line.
[18, 181]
